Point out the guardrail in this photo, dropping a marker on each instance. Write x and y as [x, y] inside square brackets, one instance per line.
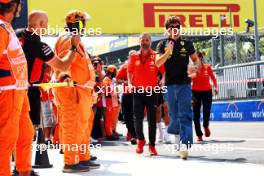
[240, 81]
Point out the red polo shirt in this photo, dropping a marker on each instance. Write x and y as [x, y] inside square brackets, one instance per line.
[202, 81]
[144, 69]
[122, 75]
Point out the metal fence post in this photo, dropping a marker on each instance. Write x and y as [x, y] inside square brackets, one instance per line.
[237, 48]
[257, 46]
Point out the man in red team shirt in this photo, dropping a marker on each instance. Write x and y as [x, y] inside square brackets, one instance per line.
[142, 74]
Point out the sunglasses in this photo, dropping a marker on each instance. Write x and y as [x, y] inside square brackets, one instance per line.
[174, 27]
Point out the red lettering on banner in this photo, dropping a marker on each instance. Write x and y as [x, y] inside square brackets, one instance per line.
[210, 22]
[162, 19]
[196, 19]
[236, 20]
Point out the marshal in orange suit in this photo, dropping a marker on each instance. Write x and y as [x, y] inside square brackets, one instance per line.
[76, 102]
[16, 129]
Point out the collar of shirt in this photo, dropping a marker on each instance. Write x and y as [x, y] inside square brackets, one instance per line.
[2, 18]
[144, 59]
[33, 34]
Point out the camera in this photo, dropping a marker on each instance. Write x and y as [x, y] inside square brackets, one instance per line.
[250, 24]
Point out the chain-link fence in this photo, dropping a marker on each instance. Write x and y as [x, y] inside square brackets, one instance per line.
[231, 49]
[240, 81]
[238, 72]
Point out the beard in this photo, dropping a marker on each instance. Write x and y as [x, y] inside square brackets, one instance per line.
[145, 46]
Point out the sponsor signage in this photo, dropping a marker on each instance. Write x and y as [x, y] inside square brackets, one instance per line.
[238, 111]
[133, 17]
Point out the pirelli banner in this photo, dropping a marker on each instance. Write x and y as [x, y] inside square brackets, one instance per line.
[136, 16]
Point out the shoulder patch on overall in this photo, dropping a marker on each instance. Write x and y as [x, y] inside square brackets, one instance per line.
[4, 27]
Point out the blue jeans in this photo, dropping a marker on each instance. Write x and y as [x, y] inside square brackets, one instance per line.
[180, 111]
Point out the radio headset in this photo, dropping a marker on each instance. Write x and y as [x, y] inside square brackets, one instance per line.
[75, 27]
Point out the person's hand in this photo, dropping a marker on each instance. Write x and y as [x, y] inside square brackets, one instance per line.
[130, 87]
[162, 82]
[169, 48]
[215, 92]
[75, 40]
[192, 71]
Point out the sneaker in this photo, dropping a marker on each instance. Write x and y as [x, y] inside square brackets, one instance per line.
[133, 141]
[117, 134]
[207, 132]
[93, 158]
[75, 168]
[166, 138]
[183, 154]
[128, 136]
[140, 146]
[33, 173]
[92, 140]
[112, 138]
[90, 164]
[152, 150]
[160, 139]
[199, 138]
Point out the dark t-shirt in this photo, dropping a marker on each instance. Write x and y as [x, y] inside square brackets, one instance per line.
[36, 52]
[176, 66]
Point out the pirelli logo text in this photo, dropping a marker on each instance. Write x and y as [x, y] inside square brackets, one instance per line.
[192, 14]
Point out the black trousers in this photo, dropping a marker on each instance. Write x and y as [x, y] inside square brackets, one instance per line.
[142, 101]
[35, 106]
[97, 126]
[127, 107]
[201, 98]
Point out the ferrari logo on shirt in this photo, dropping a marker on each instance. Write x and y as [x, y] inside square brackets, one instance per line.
[182, 43]
[183, 50]
[137, 62]
[152, 56]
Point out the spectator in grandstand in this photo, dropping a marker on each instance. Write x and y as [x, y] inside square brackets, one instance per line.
[202, 96]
